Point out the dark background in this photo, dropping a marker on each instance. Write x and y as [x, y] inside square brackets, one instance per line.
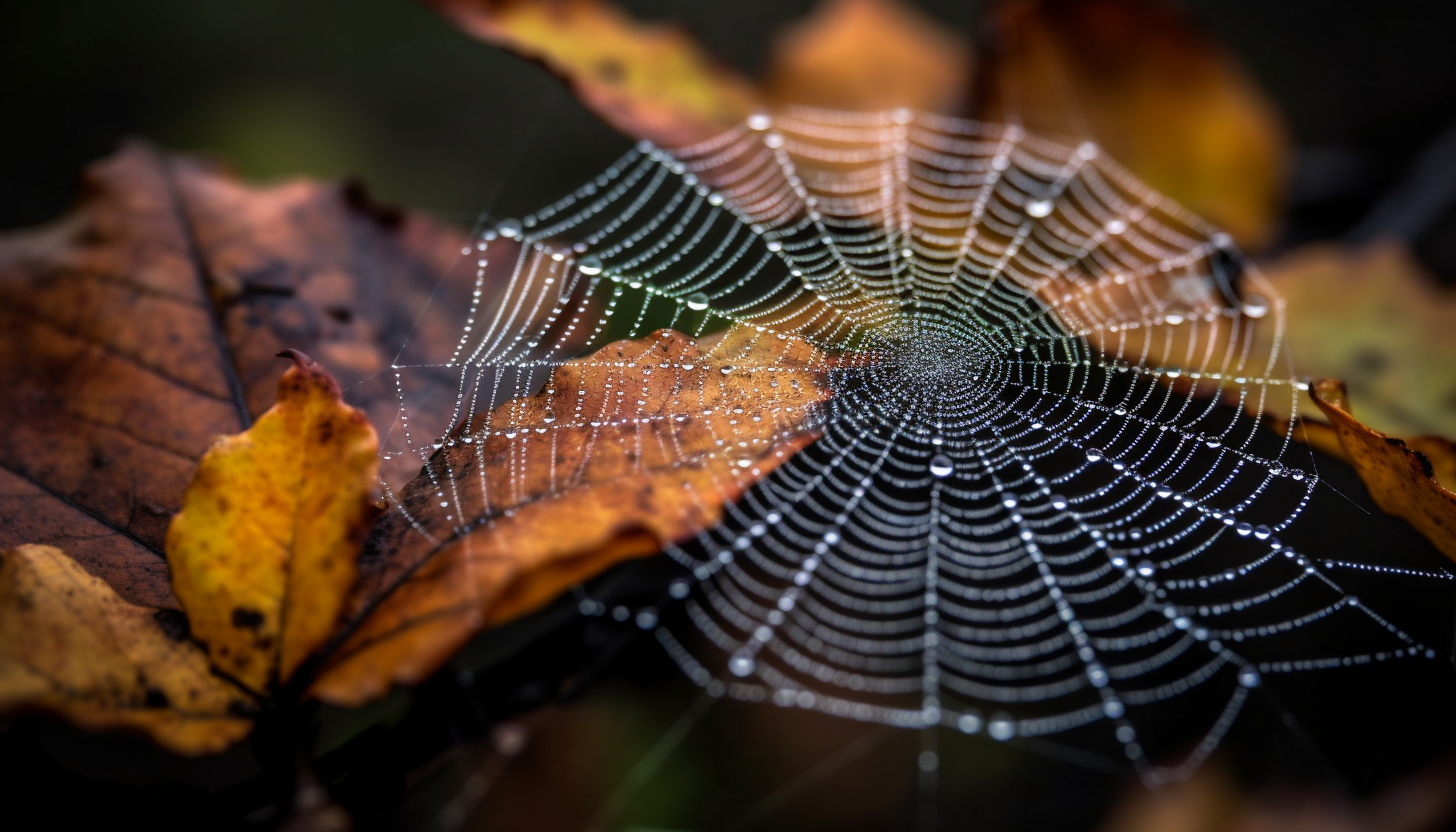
[385, 91]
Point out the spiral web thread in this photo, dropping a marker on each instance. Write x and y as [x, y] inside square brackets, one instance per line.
[1039, 501]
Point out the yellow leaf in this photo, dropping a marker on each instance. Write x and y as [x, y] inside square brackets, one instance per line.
[1375, 318]
[263, 552]
[649, 81]
[69, 644]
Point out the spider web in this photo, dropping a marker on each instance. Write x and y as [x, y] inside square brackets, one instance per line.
[1040, 500]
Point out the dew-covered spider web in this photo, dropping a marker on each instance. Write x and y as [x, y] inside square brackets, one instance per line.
[1036, 497]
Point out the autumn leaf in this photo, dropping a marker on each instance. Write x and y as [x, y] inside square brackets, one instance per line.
[1158, 95]
[648, 81]
[262, 556]
[144, 325]
[263, 551]
[71, 645]
[1136, 76]
[225, 272]
[553, 513]
[1375, 318]
[1401, 480]
[868, 55]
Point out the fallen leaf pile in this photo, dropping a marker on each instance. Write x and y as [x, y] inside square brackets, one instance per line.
[135, 333]
[155, 578]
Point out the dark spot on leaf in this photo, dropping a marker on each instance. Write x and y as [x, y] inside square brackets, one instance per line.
[269, 281]
[156, 698]
[357, 197]
[174, 624]
[611, 70]
[342, 314]
[1369, 362]
[100, 459]
[247, 619]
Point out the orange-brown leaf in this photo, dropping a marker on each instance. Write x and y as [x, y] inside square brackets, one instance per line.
[1401, 481]
[1159, 95]
[869, 55]
[557, 498]
[71, 645]
[649, 81]
[263, 551]
[144, 325]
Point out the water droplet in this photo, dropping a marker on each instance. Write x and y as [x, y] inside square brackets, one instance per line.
[1262, 532]
[510, 229]
[697, 301]
[1146, 569]
[1244, 529]
[941, 466]
[969, 723]
[1256, 306]
[1039, 208]
[678, 589]
[929, 761]
[760, 121]
[1249, 677]
[741, 664]
[1094, 454]
[1001, 728]
[1115, 227]
[589, 265]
